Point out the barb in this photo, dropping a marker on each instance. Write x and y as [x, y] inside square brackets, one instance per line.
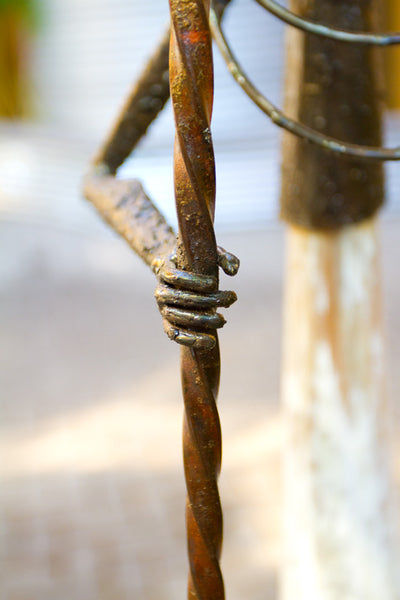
[280, 119]
[340, 35]
[125, 206]
[191, 83]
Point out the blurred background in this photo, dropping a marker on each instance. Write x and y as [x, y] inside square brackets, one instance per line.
[91, 484]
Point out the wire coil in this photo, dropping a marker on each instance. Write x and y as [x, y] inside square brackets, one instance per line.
[340, 35]
[276, 115]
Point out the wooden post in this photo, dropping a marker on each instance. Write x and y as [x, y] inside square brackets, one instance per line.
[339, 522]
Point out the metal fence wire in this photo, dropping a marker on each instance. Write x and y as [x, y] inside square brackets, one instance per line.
[186, 264]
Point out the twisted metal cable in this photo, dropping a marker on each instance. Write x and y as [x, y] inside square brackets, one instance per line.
[191, 84]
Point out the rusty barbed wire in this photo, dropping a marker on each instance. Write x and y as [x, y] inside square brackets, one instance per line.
[184, 298]
[191, 85]
[147, 99]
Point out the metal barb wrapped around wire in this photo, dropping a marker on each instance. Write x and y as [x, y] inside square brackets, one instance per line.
[191, 84]
[185, 299]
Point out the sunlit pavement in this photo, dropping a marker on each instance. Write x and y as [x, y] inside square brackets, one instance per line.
[91, 491]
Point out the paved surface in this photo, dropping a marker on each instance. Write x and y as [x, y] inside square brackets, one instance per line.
[91, 485]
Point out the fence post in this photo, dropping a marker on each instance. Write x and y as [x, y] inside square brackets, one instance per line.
[338, 514]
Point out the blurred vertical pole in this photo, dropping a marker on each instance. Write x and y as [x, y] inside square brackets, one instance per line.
[15, 33]
[338, 520]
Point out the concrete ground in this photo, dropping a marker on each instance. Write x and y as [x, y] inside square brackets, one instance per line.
[91, 485]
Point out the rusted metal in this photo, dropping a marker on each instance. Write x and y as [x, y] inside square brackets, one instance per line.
[147, 99]
[191, 82]
[125, 206]
[184, 298]
[187, 269]
[187, 293]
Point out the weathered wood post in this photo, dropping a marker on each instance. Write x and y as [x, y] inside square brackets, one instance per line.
[338, 511]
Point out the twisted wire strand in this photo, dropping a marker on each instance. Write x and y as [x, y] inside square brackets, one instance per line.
[191, 84]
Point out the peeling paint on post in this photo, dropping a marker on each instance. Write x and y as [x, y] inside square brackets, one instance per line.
[339, 514]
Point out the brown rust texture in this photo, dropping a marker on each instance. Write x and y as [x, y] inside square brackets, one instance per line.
[336, 88]
[125, 206]
[191, 82]
[146, 100]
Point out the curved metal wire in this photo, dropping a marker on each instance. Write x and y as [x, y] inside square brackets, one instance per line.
[355, 37]
[282, 120]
